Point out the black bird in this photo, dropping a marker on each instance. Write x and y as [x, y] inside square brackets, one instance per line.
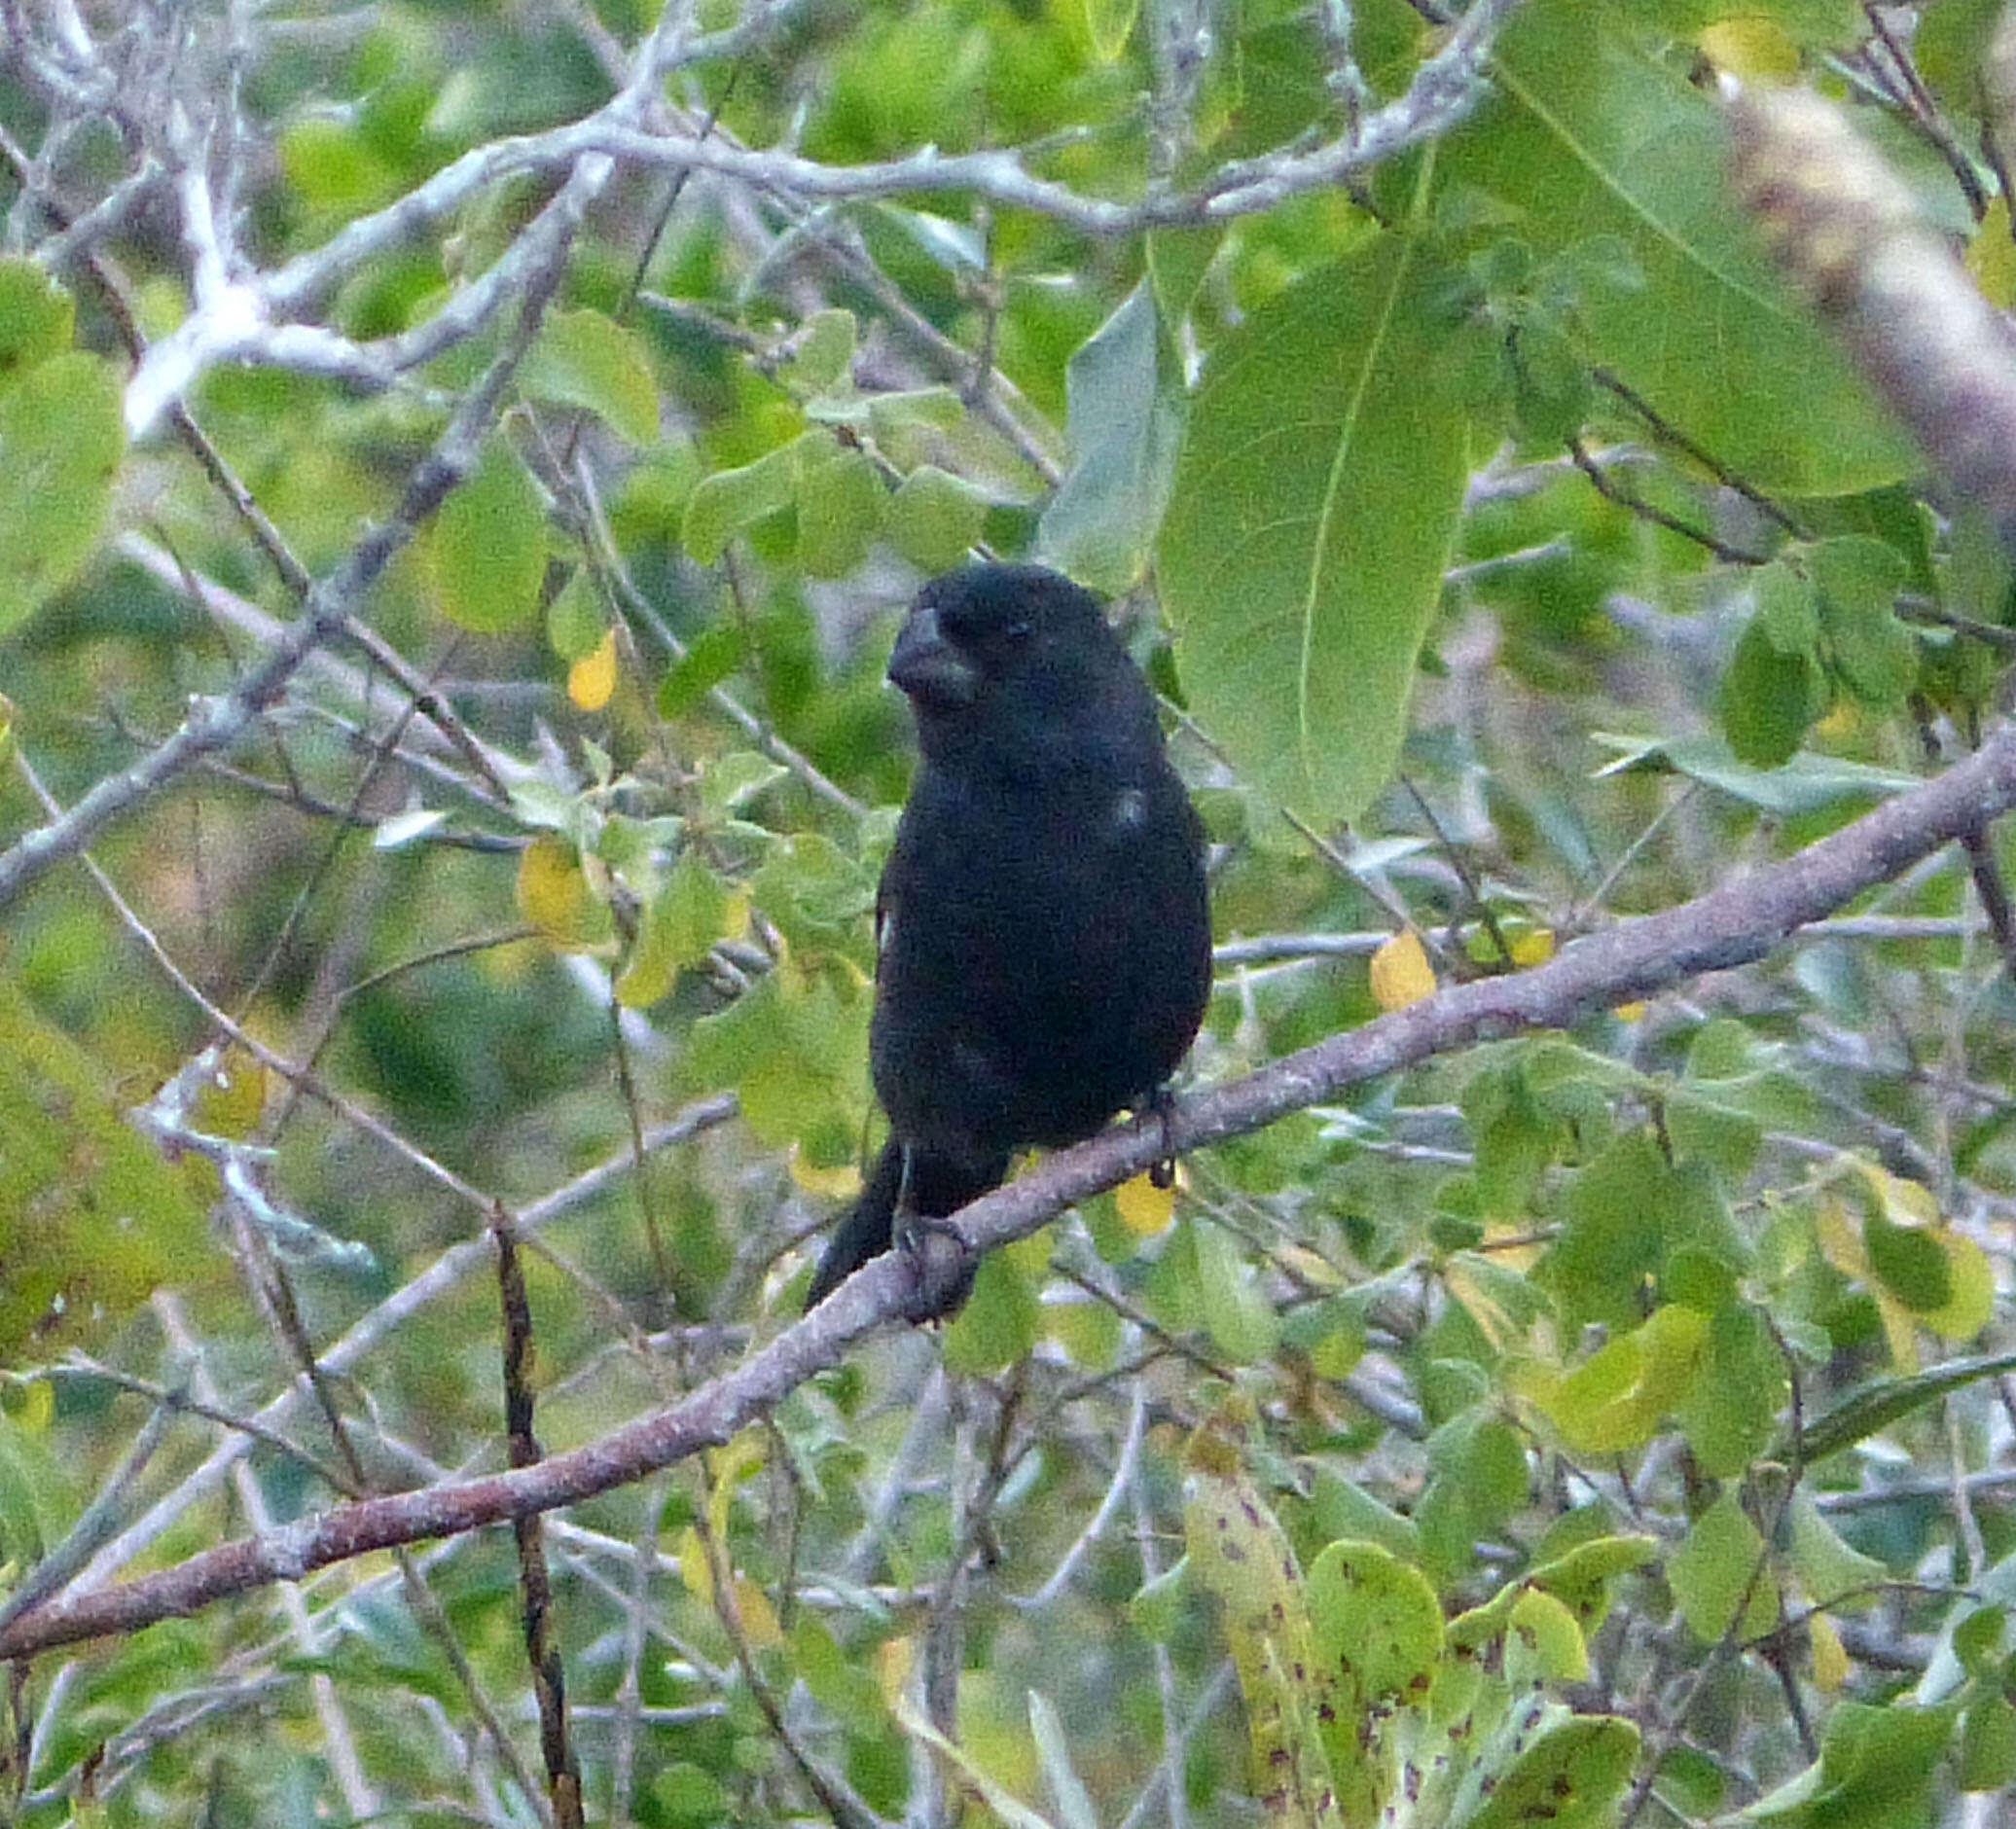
[1042, 928]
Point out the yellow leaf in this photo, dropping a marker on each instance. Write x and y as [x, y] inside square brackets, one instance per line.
[554, 896]
[1144, 1209]
[759, 1618]
[839, 1183]
[893, 1658]
[1752, 48]
[235, 1100]
[593, 678]
[1992, 257]
[1628, 1012]
[693, 1566]
[1829, 1657]
[1534, 947]
[1401, 974]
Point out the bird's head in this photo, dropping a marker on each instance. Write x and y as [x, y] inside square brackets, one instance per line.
[988, 642]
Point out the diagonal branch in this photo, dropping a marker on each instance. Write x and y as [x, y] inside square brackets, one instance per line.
[1732, 925]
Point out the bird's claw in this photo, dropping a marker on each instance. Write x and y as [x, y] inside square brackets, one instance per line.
[946, 1265]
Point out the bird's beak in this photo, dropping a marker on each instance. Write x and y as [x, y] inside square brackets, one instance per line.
[928, 667]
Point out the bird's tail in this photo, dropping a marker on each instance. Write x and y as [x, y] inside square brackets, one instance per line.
[939, 1185]
[867, 1230]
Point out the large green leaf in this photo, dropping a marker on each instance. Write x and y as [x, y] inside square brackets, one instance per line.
[1590, 137]
[1315, 506]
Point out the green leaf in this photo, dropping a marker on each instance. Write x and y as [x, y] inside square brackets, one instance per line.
[585, 359]
[1730, 1414]
[1988, 1744]
[1589, 137]
[1826, 1566]
[1111, 24]
[1570, 1777]
[1876, 1770]
[716, 652]
[1715, 1573]
[91, 1219]
[934, 519]
[61, 438]
[823, 357]
[1618, 1398]
[1770, 697]
[1237, 1314]
[841, 503]
[1875, 654]
[1543, 1644]
[1314, 509]
[483, 553]
[1806, 784]
[727, 501]
[1375, 1620]
[1125, 424]
[35, 319]
[575, 624]
[1889, 1400]
[999, 1324]
[1178, 260]
[1787, 607]
[680, 923]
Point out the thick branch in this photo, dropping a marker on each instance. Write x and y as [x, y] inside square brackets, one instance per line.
[1732, 925]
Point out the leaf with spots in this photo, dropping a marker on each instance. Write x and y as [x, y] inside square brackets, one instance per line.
[1240, 1553]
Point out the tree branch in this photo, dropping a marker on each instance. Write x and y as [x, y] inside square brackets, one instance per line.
[1732, 925]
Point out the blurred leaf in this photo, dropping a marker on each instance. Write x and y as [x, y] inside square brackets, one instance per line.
[483, 553]
[934, 519]
[1237, 1314]
[61, 439]
[841, 504]
[575, 625]
[999, 1324]
[91, 1219]
[585, 359]
[1988, 1744]
[1401, 972]
[680, 923]
[591, 679]
[1238, 1553]
[1111, 24]
[1125, 425]
[1717, 1572]
[554, 894]
[1875, 654]
[1876, 1770]
[35, 319]
[725, 503]
[823, 355]
[1806, 784]
[1885, 1401]
[1618, 1398]
[1314, 509]
[1588, 136]
[1770, 698]
[1074, 1808]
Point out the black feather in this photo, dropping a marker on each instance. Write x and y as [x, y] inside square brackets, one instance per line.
[1043, 929]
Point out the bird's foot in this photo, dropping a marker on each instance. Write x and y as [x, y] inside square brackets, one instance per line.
[946, 1265]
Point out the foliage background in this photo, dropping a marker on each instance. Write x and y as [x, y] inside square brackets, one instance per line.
[460, 467]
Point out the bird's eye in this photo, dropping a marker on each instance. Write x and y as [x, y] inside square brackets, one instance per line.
[1018, 632]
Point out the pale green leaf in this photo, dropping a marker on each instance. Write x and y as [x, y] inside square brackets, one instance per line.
[1314, 513]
